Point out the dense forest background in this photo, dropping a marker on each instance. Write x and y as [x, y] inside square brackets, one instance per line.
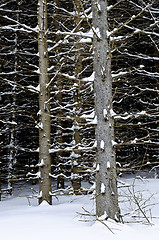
[134, 30]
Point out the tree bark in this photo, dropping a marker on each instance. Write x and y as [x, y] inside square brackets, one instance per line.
[76, 181]
[106, 179]
[59, 97]
[12, 151]
[44, 107]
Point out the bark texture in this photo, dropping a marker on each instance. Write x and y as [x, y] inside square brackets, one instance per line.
[76, 181]
[106, 180]
[44, 107]
[59, 97]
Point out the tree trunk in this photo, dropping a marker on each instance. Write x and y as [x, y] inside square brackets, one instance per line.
[106, 179]
[76, 181]
[44, 107]
[59, 97]
[12, 151]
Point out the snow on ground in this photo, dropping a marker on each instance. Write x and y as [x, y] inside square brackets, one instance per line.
[66, 218]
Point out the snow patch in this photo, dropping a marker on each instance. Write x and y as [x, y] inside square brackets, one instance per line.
[105, 113]
[40, 194]
[114, 143]
[39, 125]
[39, 113]
[102, 145]
[20, 221]
[41, 164]
[95, 144]
[108, 165]
[75, 163]
[89, 79]
[112, 113]
[103, 217]
[102, 189]
[74, 155]
[99, 7]
[44, 203]
[98, 167]
[94, 122]
[134, 141]
[38, 174]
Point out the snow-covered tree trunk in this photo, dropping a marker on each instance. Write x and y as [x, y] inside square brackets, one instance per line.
[106, 179]
[44, 107]
[76, 181]
[59, 138]
[12, 152]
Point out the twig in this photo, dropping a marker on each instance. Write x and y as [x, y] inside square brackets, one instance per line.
[96, 218]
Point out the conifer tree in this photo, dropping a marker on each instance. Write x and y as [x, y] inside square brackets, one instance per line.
[106, 178]
[44, 106]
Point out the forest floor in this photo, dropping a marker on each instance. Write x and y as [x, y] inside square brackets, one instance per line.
[72, 217]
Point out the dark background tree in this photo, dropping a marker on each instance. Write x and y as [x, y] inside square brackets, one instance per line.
[134, 49]
[19, 102]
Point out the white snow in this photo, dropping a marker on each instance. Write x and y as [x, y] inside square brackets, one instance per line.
[95, 144]
[98, 167]
[105, 113]
[114, 143]
[65, 219]
[41, 164]
[39, 112]
[142, 66]
[37, 71]
[103, 217]
[94, 121]
[137, 30]
[40, 194]
[34, 89]
[116, 75]
[99, 7]
[74, 155]
[133, 16]
[108, 164]
[102, 145]
[134, 141]
[85, 40]
[102, 189]
[109, 7]
[97, 32]
[88, 116]
[8, 122]
[112, 113]
[90, 78]
[75, 163]
[37, 150]
[38, 174]
[13, 123]
[39, 125]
